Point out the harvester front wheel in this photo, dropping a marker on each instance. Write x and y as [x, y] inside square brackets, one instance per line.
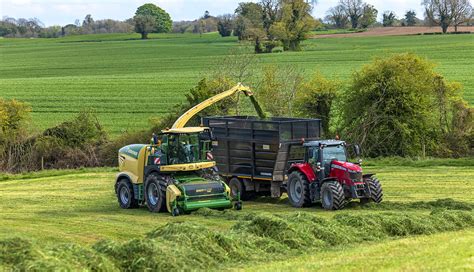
[125, 194]
[155, 193]
[298, 190]
[376, 193]
[332, 195]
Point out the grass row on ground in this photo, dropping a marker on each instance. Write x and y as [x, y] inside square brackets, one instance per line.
[128, 81]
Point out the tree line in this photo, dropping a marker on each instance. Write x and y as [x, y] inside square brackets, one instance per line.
[34, 28]
[267, 22]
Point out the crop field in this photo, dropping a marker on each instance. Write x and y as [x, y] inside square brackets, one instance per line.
[69, 219]
[127, 81]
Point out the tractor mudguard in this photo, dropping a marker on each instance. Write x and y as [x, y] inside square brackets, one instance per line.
[328, 179]
[304, 168]
[364, 176]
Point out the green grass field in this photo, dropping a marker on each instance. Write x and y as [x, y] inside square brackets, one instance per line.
[127, 81]
[79, 207]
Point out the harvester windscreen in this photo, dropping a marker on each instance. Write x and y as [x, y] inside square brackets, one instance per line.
[184, 148]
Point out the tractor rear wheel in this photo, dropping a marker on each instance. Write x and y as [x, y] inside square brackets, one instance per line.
[298, 190]
[125, 194]
[332, 195]
[376, 193]
[237, 186]
[155, 193]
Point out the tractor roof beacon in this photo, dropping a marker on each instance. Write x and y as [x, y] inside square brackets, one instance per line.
[176, 172]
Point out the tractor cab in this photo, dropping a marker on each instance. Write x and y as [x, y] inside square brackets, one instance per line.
[330, 158]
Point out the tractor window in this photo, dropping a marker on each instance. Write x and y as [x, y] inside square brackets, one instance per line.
[334, 152]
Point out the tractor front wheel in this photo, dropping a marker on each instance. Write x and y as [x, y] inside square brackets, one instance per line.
[155, 193]
[125, 194]
[298, 190]
[332, 196]
[376, 193]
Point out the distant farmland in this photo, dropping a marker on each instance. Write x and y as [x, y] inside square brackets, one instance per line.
[127, 81]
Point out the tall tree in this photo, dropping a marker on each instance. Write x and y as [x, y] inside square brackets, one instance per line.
[462, 12]
[388, 18]
[144, 24]
[447, 12]
[270, 10]
[354, 10]
[162, 20]
[224, 25]
[249, 21]
[369, 16]
[294, 23]
[410, 18]
[338, 17]
[88, 20]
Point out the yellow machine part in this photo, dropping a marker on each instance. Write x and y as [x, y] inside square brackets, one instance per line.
[227, 189]
[187, 166]
[172, 192]
[133, 167]
[183, 119]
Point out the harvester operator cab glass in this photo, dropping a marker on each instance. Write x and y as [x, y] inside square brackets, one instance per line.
[183, 148]
[188, 147]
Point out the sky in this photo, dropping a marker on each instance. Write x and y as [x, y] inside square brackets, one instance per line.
[62, 12]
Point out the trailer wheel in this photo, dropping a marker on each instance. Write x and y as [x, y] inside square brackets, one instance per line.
[376, 193]
[298, 190]
[155, 193]
[332, 196]
[236, 185]
[125, 195]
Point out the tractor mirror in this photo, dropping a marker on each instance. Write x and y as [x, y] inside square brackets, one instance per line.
[357, 150]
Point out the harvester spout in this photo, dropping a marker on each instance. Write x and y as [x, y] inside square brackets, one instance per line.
[183, 119]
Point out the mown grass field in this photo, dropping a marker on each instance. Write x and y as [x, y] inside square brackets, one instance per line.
[79, 207]
[127, 81]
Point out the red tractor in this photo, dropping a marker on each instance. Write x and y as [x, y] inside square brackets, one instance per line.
[325, 175]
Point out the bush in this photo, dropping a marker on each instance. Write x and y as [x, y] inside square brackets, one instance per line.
[14, 116]
[315, 99]
[398, 106]
[71, 144]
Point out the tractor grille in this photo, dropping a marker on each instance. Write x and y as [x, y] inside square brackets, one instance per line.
[200, 189]
[356, 176]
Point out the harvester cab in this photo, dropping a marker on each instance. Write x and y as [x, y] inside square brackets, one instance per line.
[326, 175]
[173, 173]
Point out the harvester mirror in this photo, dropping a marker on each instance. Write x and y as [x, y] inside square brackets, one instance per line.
[211, 135]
